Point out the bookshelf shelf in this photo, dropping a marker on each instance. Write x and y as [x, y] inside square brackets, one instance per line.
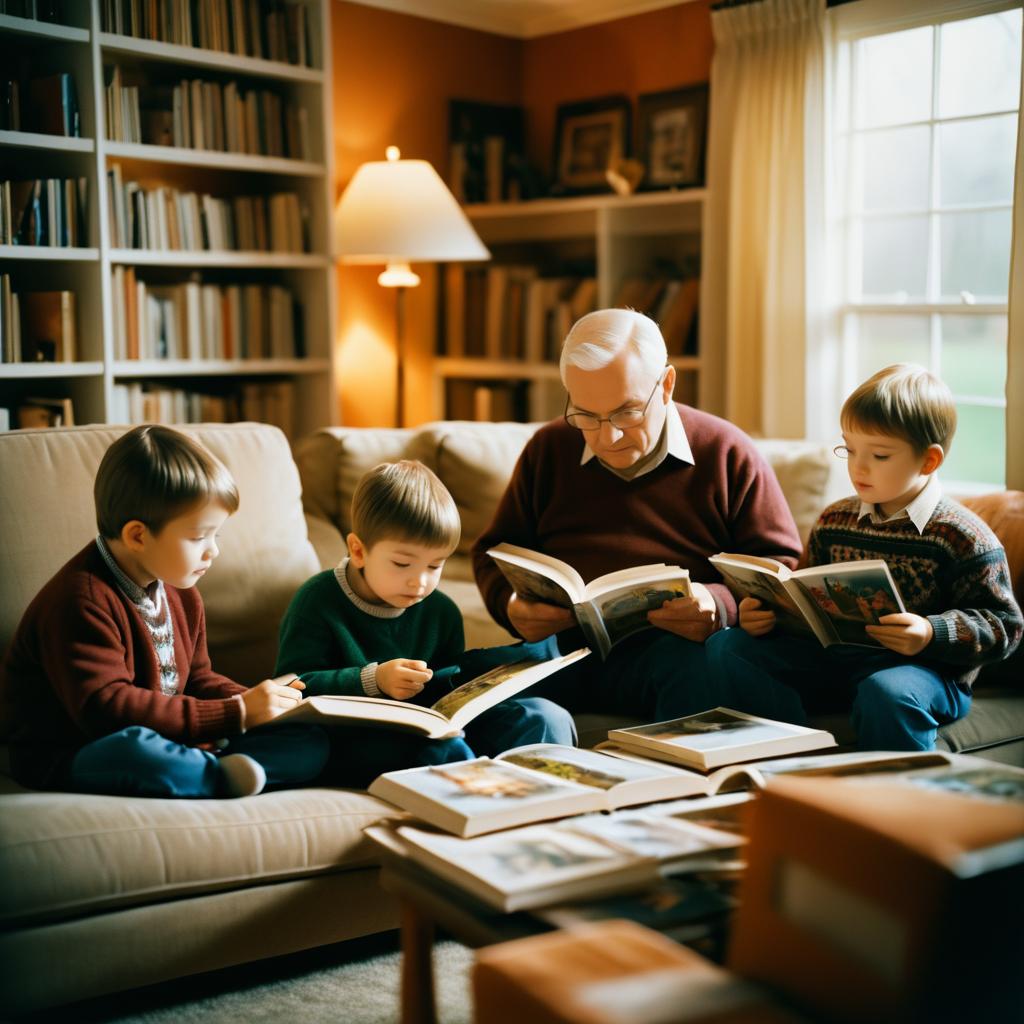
[203, 258]
[54, 253]
[278, 302]
[577, 204]
[36, 140]
[214, 159]
[27, 371]
[195, 56]
[135, 368]
[505, 369]
[9, 23]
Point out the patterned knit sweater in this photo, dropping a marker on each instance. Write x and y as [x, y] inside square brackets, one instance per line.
[954, 573]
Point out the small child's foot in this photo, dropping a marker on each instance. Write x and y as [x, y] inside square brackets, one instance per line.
[241, 775]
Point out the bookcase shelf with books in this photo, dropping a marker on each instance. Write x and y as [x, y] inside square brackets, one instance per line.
[554, 260]
[234, 235]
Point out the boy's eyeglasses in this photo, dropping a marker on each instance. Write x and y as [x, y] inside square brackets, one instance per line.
[621, 420]
[841, 451]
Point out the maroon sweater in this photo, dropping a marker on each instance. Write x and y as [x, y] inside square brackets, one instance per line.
[82, 665]
[729, 500]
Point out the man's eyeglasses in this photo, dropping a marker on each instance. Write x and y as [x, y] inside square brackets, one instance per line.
[623, 419]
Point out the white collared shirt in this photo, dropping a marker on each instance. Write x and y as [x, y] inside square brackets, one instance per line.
[678, 446]
[919, 511]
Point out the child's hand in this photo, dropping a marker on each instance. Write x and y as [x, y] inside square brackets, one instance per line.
[271, 698]
[902, 632]
[754, 619]
[402, 678]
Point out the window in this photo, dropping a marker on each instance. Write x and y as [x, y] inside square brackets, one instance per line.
[923, 130]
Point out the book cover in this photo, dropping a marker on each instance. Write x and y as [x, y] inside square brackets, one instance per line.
[48, 327]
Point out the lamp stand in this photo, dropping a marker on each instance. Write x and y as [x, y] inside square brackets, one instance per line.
[400, 356]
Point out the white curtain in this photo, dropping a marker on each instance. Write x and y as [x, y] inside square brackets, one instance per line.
[1015, 336]
[765, 217]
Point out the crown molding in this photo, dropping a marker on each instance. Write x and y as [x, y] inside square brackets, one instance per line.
[521, 19]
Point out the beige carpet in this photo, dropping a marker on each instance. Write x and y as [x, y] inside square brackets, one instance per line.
[352, 983]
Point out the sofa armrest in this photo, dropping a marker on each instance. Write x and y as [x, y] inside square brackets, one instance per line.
[327, 542]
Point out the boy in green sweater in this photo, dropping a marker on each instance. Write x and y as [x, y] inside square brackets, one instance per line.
[377, 626]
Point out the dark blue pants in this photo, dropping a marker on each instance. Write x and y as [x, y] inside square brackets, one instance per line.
[140, 762]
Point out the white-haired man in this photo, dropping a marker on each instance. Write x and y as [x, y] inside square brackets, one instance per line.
[629, 477]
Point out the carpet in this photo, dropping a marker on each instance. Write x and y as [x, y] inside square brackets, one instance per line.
[354, 982]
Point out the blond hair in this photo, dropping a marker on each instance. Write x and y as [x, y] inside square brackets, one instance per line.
[906, 401]
[405, 501]
[154, 474]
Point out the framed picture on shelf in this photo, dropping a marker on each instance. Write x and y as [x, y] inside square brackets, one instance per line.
[589, 137]
[672, 137]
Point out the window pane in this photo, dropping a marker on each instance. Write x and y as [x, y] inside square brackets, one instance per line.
[884, 340]
[974, 355]
[976, 254]
[895, 259]
[976, 160]
[896, 169]
[979, 66]
[896, 72]
[978, 453]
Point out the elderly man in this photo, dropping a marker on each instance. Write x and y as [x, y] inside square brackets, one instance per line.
[626, 478]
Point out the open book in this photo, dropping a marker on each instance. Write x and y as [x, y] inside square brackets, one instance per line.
[834, 602]
[447, 717]
[539, 782]
[717, 737]
[544, 864]
[608, 608]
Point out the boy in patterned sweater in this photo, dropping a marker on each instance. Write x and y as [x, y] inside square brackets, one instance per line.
[950, 569]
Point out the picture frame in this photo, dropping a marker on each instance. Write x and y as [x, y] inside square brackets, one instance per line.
[589, 136]
[672, 137]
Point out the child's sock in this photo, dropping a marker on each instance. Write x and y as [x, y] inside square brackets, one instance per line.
[241, 775]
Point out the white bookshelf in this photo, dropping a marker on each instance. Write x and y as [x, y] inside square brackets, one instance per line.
[623, 237]
[85, 50]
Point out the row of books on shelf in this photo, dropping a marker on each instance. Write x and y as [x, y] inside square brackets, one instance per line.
[197, 114]
[671, 302]
[166, 218]
[47, 104]
[35, 413]
[511, 312]
[44, 211]
[36, 10]
[36, 326]
[193, 320]
[271, 29]
[256, 401]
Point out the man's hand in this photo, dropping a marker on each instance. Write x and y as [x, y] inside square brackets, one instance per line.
[535, 620]
[754, 619]
[402, 678]
[271, 698]
[693, 618]
[902, 632]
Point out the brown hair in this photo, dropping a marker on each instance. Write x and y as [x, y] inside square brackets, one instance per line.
[153, 474]
[404, 501]
[904, 400]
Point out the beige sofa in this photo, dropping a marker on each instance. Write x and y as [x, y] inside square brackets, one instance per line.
[99, 894]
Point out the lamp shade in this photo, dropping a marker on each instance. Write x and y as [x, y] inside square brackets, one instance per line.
[401, 211]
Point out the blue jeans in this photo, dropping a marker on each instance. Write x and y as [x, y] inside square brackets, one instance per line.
[359, 755]
[896, 703]
[140, 762]
[654, 675]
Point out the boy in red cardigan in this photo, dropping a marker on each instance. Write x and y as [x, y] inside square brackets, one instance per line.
[107, 686]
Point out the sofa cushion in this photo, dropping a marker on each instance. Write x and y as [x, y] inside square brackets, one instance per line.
[265, 553]
[807, 473]
[65, 855]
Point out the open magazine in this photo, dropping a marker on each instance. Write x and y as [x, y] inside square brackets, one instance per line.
[832, 602]
[543, 864]
[609, 608]
[539, 782]
[717, 737]
[447, 717]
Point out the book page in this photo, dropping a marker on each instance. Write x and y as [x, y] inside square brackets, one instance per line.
[539, 577]
[368, 711]
[624, 610]
[768, 588]
[649, 834]
[584, 767]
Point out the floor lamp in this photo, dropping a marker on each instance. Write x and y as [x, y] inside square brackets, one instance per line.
[399, 212]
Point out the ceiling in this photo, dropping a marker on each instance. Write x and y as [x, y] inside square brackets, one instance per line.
[522, 19]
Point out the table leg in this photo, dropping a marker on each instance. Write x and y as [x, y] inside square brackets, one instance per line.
[418, 1005]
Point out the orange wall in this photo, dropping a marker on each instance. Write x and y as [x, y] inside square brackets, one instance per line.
[393, 77]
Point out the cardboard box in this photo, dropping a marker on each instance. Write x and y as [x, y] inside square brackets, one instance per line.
[612, 972]
[884, 900]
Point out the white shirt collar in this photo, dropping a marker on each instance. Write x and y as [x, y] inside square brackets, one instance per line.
[919, 511]
[678, 443]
